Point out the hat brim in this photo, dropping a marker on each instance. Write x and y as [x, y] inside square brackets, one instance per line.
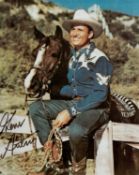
[95, 26]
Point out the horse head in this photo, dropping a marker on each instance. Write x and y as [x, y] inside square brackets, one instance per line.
[51, 54]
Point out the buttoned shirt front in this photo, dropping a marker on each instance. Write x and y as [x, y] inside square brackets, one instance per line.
[89, 76]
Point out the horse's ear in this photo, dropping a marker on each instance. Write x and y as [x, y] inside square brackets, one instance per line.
[58, 32]
[38, 34]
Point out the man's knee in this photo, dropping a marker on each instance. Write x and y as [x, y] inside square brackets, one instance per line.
[76, 133]
[35, 108]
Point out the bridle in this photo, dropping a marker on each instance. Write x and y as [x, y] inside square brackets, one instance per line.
[46, 80]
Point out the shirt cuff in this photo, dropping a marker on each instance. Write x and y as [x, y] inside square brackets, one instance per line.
[73, 111]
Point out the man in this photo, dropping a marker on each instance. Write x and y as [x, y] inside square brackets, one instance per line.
[89, 77]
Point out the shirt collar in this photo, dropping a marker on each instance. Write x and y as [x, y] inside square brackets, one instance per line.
[87, 50]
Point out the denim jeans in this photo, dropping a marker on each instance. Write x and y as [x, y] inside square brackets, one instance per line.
[43, 112]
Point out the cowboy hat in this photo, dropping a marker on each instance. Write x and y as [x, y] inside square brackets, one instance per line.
[82, 17]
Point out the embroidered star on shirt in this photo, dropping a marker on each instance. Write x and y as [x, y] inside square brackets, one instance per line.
[102, 80]
[84, 64]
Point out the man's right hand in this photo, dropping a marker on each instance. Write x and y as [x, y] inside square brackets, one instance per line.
[62, 119]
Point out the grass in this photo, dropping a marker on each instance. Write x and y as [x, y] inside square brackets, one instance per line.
[11, 101]
[130, 91]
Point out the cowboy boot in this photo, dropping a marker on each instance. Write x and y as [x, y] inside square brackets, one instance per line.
[79, 168]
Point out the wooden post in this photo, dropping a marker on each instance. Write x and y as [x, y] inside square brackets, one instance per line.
[114, 132]
[104, 158]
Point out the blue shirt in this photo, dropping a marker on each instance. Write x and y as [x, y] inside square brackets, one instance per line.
[89, 76]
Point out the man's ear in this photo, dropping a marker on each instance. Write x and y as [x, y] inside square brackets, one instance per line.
[91, 34]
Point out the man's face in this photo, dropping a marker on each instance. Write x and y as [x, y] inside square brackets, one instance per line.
[80, 35]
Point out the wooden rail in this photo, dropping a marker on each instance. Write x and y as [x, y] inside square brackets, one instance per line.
[104, 157]
[113, 132]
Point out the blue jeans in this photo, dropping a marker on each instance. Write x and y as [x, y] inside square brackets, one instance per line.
[43, 112]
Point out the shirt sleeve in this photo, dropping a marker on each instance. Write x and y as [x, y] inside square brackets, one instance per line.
[101, 75]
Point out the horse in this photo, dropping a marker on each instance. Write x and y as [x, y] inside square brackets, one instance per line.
[45, 75]
[48, 74]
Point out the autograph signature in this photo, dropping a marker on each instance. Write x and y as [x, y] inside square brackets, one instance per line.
[14, 144]
[5, 122]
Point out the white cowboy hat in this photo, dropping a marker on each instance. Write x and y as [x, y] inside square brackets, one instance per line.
[82, 17]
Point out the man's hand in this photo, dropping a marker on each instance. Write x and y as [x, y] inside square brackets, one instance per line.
[62, 119]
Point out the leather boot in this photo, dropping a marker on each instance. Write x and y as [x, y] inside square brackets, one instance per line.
[79, 168]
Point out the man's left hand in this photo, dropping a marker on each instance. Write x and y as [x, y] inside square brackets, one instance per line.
[62, 119]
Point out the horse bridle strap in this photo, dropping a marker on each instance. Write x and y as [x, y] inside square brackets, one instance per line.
[52, 73]
[56, 67]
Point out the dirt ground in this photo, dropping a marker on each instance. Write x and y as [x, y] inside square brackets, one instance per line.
[21, 164]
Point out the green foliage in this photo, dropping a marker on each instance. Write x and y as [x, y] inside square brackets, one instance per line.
[10, 69]
[131, 68]
[16, 44]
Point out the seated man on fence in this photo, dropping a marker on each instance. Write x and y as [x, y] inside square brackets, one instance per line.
[89, 76]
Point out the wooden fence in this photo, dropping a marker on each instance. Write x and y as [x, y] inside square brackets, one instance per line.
[113, 132]
[14, 124]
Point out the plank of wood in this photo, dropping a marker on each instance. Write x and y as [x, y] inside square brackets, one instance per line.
[104, 157]
[13, 123]
[19, 147]
[125, 132]
[134, 145]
